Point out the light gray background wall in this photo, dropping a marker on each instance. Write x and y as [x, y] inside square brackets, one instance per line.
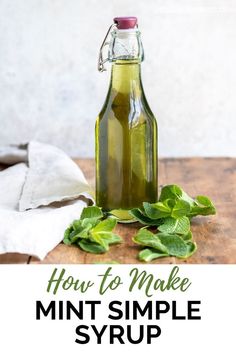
[50, 89]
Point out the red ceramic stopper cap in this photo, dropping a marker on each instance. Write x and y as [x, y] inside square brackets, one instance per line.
[125, 22]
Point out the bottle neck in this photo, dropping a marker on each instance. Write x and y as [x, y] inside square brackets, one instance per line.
[126, 77]
[126, 53]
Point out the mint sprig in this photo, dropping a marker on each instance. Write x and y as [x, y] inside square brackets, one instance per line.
[171, 215]
[91, 233]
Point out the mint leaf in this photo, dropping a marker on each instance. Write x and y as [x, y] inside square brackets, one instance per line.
[122, 216]
[170, 192]
[204, 201]
[67, 233]
[105, 238]
[178, 226]
[162, 245]
[84, 233]
[148, 254]
[91, 247]
[91, 212]
[181, 208]
[147, 238]
[174, 244]
[175, 192]
[113, 239]
[90, 233]
[80, 225]
[99, 239]
[187, 198]
[191, 249]
[76, 225]
[105, 225]
[144, 219]
[89, 221]
[158, 210]
[202, 206]
[187, 237]
[102, 233]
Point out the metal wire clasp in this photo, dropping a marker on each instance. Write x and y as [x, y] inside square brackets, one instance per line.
[101, 60]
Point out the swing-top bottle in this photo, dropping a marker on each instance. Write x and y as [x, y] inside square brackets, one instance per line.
[126, 129]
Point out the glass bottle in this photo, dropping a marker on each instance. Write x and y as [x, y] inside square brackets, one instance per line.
[126, 129]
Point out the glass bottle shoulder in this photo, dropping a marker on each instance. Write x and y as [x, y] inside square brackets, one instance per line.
[124, 106]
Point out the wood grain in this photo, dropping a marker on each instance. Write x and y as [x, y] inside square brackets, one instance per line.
[215, 236]
[14, 258]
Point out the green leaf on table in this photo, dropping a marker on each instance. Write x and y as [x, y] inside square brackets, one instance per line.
[113, 239]
[187, 198]
[181, 208]
[91, 247]
[89, 221]
[67, 233]
[148, 239]
[90, 233]
[84, 233]
[187, 237]
[148, 254]
[158, 210]
[91, 212]
[122, 216]
[102, 233]
[178, 226]
[171, 215]
[171, 191]
[174, 244]
[70, 235]
[99, 239]
[76, 225]
[105, 225]
[202, 200]
[191, 249]
[105, 238]
[202, 206]
[80, 225]
[144, 219]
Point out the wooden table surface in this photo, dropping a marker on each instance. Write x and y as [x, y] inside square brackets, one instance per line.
[215, 235]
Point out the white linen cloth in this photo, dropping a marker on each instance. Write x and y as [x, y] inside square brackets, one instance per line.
[40, 195]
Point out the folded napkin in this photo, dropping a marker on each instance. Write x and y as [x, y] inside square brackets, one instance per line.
[40, 195]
